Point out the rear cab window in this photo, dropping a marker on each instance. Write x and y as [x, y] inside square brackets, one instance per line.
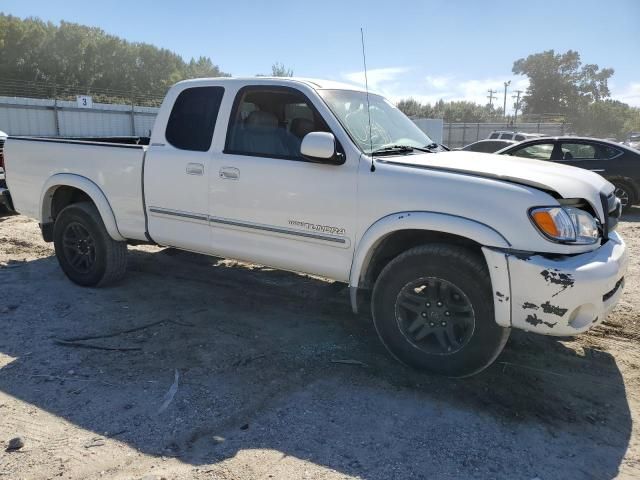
[193, 118]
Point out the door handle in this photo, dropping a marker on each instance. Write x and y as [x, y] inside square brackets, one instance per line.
[195, 169]
[229, 173]
[597, 169]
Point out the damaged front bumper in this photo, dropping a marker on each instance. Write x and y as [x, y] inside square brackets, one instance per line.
[561, 296]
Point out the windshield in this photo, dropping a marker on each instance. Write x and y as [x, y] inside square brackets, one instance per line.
[389, 126]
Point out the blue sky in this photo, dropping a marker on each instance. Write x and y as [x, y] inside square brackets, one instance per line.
[425, 49]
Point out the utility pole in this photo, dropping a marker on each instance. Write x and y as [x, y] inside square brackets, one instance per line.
[517, 106]
[504, 108]
[491, 96]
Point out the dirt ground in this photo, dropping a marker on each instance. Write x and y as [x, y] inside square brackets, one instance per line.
[277, 379]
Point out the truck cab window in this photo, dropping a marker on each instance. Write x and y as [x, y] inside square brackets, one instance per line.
[271, 123]
[193, 118]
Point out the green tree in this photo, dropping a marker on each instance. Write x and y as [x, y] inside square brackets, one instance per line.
[453, 111]
[606, 118]
[559, 83]
[81, 59]
[279, 70]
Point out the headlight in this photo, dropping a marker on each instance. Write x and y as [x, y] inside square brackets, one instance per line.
[566, 224]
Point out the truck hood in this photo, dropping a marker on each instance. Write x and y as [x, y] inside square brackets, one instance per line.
[568, 182]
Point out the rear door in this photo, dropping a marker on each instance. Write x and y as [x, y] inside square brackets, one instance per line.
[597, 157]
[176, 176]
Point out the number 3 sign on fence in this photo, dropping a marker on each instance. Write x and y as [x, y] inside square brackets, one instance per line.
[84, 101]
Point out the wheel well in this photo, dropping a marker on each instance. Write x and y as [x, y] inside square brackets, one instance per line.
[398, 242]
[62, 197]
[65, 196]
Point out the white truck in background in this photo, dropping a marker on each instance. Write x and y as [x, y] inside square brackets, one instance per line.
[448, 250]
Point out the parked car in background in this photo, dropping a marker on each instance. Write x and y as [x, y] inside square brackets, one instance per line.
[488, 146]
[511, 135]
[633, 140]
[614, 161]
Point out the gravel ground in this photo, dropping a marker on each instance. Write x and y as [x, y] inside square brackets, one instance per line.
[210, 368]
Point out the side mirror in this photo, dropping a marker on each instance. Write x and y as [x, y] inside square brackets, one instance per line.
[320, 147]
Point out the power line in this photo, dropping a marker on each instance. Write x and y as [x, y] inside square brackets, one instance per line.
[491, 96]
[517, 105]
[504, 111]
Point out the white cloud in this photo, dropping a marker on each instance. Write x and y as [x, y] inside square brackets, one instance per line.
[629, 94]
[397, 83]
[439, 83]
[378, 77]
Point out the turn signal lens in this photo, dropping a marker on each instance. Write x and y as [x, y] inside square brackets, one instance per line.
[555, 223]
[544, 221]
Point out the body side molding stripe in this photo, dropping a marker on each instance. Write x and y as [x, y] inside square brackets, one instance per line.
[253, 226]
[176, 213]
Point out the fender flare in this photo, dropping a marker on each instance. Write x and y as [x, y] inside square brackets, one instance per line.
[87, 186]
[474, 230]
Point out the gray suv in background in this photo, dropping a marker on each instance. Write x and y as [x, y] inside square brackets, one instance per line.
[511, 135]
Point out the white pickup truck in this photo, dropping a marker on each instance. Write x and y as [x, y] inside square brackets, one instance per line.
[447, 250]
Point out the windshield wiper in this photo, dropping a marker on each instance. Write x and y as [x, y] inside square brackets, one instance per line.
[391, 149]
[432, 147]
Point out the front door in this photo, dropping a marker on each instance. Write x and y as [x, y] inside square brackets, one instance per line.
[268, 204]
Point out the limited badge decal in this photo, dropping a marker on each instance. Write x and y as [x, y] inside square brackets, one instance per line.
[317, 228]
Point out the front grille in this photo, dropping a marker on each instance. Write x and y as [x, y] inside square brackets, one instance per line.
[612, 292]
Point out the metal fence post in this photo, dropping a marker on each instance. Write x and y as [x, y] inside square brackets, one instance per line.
[133, 117]
[478, 132]
[56, 120]
[464, 133]
[449, 136]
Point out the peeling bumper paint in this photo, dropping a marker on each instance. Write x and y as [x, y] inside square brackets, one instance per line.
[557, 296]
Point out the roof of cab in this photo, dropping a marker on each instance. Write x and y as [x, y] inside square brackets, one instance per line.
[316, 84]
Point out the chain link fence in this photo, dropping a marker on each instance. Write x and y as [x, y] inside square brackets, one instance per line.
[65, 92]
[456, 135]
[55, 110]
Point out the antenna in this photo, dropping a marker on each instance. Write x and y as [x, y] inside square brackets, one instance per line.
[366, 86]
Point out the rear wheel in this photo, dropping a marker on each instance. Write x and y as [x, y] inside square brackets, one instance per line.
[86, 252]
[433, 310]
[625, 192]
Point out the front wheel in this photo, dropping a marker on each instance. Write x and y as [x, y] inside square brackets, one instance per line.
[625, 193]
[433, 310]
[85, 251]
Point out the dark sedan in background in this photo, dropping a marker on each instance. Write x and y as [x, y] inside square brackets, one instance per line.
[617, 163]
[488, 146]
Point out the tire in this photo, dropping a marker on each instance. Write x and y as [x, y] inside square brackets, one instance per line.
[626, 193]
[85, 251]
[453, 332]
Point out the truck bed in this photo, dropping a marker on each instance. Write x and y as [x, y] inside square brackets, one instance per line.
[116, 168]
